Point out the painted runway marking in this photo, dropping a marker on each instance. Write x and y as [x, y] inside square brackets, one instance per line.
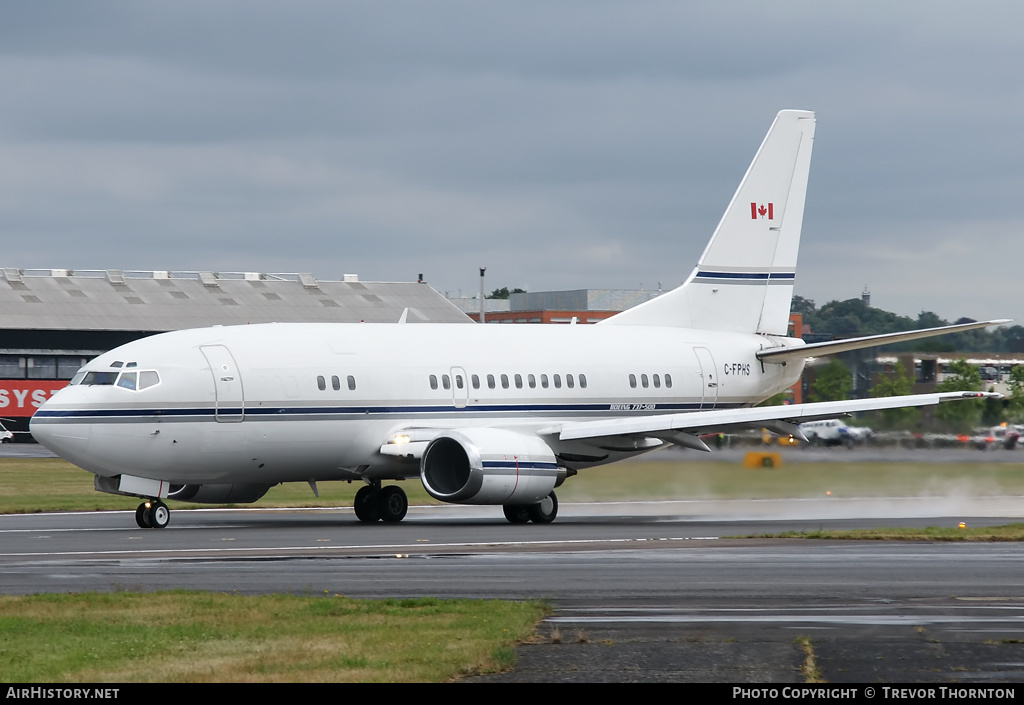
[389, 548]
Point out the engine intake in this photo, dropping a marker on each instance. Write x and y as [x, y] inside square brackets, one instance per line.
[488, 466]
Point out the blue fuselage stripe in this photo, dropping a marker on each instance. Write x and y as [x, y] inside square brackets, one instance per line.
[401, 411]
[761, 276]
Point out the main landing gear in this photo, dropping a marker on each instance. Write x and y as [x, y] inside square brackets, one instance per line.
[544, 512]
[152, 514]
[375, 503]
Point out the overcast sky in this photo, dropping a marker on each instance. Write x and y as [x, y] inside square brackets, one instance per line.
[562, 145]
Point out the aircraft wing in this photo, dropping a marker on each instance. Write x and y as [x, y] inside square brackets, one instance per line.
[685, 428]
[782, 355]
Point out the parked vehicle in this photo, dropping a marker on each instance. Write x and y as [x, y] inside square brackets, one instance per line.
[1004, 436]
[5, 435]
[833, 432]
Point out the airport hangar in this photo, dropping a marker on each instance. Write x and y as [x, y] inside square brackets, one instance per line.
[52, 321]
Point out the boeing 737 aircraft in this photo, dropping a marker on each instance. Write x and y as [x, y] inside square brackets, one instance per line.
[482, 414]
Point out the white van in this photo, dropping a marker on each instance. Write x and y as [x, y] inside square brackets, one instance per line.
[833, 432]
[5, 435]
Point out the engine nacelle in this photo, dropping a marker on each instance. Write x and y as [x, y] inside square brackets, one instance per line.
[218, 494]
[488, 466]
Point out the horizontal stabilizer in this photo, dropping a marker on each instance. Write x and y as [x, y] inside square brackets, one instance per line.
[802, 352]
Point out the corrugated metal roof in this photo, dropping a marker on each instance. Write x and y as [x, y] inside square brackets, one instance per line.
[164, 301]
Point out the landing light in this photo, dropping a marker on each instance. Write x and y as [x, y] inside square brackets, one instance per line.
[400, 439]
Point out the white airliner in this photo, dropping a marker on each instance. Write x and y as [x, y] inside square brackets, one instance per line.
[482, 414]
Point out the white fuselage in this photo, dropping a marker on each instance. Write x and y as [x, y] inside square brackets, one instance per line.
[297, 402]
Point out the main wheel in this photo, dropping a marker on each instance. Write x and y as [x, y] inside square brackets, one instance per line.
[545, 511]
[516, 513]
[140, 516]
[365, 504]
[392, 504]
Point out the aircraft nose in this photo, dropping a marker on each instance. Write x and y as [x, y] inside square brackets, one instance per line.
[59, 432]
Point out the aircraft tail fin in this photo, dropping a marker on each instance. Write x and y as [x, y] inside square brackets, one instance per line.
[744, 280]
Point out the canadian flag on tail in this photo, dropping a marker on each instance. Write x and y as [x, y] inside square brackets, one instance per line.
[762, 211]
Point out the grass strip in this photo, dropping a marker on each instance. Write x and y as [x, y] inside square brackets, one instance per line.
[194, 637]
[49, 484]
[809, 668]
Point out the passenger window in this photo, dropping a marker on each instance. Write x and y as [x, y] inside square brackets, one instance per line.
[557, 380]
[446, 382]
[128, 380]
[335, 383]
[643, 381]
[668, 380]
[433, 381]
[569, 382]
[532, 381]
[632, 380]
[490, 381]
[148, 378]
[351, 382]
[519, 381]
[657, 381]
[321, 383]
[476, 381]
[504, 381]
[458, 381]
[583, 381]
[544, 381]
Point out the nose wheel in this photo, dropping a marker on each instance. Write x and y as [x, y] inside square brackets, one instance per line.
[152, 514]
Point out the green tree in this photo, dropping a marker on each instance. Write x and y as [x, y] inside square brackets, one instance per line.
[897, 384]
[960, 416]
[1015, 404]
[504, 293]
[801, 305]
[833, 382]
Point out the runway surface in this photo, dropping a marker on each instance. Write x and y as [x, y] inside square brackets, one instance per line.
[641, 591]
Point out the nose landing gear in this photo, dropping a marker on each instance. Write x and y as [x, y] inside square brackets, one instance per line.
[152, 514]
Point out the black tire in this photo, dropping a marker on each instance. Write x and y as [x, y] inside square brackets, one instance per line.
[392, 504]
[365, 505]
[545, 511]
[140, 516]
[516, 513]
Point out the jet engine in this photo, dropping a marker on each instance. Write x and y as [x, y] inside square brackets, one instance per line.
[218, 494]
[488, 466]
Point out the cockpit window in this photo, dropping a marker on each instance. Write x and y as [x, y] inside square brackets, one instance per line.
[99, 378]
[133, 380]
[128, 380]
[117, 363]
